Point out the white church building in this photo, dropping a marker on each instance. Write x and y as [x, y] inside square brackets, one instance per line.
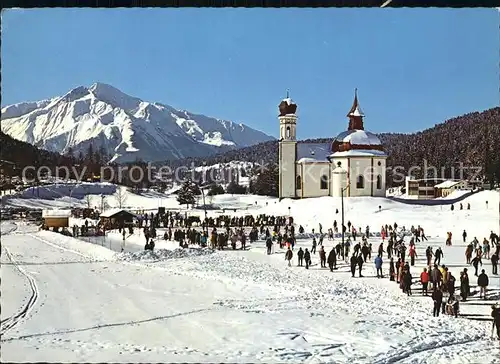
[353, 164]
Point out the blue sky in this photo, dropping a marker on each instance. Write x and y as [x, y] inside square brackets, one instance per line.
[413, 67]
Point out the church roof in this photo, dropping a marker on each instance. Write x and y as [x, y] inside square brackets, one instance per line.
[287, 106]
[355, 109]
[359, 153]
[313, 152]
[360, 137]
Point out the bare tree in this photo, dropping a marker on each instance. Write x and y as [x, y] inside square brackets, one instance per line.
[88, 201]
[121, 197]
[209, 199]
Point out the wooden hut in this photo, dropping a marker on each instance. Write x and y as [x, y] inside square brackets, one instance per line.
[56, 218]
[116, 218]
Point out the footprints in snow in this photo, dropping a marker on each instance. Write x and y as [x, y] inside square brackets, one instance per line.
[85, 347]
[320, 349]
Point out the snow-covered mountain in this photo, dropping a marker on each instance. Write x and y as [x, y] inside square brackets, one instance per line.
[128, 128]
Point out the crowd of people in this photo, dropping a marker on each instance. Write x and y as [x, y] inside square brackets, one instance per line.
[397, 244]
[436, 279]
[176, 219]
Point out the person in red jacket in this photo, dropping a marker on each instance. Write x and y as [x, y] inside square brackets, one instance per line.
[413, 255]
[424, 279]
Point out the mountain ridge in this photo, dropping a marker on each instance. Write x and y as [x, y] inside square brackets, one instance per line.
[128, 127]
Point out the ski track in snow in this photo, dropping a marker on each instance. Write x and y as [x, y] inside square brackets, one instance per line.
[9, 323]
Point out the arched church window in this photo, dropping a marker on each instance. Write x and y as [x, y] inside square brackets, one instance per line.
[298, 183]
[324, 182]
[379, 182]
[360, 182]
[288, 132]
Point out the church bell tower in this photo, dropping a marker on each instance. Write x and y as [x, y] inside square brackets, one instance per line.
[287, 148]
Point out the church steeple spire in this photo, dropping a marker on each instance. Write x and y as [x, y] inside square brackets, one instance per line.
[355, 115]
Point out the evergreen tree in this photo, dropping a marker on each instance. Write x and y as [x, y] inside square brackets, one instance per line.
[103, 156]
[185, 196]
[81, 158]
[70, 153]
[215, 189]
[489, 170]
[90, 154]
[267, 182]
[235, 189]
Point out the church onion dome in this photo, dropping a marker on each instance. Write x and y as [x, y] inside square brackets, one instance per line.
[356, 140]
[287, 106]
[358, 137]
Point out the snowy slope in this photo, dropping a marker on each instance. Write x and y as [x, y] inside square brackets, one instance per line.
[73, 301]
[127, 127]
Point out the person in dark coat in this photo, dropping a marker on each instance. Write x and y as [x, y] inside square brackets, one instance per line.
[451, 283]
[482, 282]
[300, 256]
[429, 254]
[407, 281]
[289, 256]
[392, 270]
[354, 263]
[322, 257]
[438, 254]
[437, 276]
[475, 263]
[332, 260]
[494, 263]
[437, 297]
[269, 245]
[307, 258]
[495, 313]
[356, 249]
[464, 285]
[361, 260]
[398, 268]
[365, 250]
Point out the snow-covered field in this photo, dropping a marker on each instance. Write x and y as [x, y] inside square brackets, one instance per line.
[69, 300]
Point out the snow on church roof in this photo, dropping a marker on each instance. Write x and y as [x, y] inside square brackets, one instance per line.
[313, 152]
[360, 137]
[289, 101]
[357, 112]
[359, 153]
